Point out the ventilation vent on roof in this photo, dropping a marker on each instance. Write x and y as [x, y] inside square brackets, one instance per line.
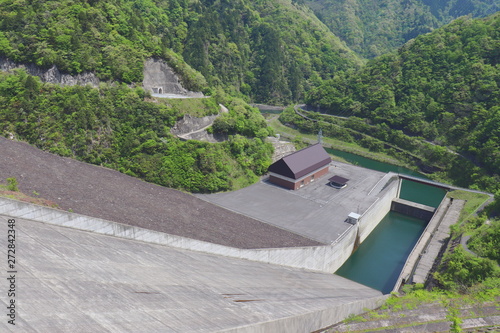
[353, 218]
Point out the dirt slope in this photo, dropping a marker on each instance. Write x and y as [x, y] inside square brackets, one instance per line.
[108, 194]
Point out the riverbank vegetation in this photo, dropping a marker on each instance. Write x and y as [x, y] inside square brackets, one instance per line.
[302, 138]
[468, 274]
[114, 126]
[465, 286]
[382, 143]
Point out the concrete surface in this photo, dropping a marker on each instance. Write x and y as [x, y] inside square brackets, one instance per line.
[157, 74]
[419, 211]
[108, 194]
[440, 235]
[318, 258]
[316, 211]
[422, 258]
[73, 281]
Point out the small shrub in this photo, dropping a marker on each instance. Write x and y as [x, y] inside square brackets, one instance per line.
[354, 319]
[12, 184]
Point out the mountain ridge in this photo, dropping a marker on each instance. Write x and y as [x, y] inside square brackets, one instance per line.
[374, 27]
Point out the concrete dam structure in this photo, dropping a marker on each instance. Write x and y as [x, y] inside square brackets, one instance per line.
[101, 275]
[229, 264]
[413, 209]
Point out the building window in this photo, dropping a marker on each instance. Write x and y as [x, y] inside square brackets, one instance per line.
[301, 183]
[312, 178]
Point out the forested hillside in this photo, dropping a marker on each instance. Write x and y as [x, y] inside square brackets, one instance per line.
[442, 86]
[116, 127]
[375, 27]
[271, 51]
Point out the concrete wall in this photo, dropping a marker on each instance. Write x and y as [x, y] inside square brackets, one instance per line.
[419, 250]
[311, 321]
[318, 258]
[326, 258]
[372, 217]
[158, 74]
[413, 209]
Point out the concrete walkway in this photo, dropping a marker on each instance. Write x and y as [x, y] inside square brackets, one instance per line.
[68, 280]
[439, 237]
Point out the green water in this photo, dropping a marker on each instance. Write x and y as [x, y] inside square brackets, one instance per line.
[421, 193]
[379, 260]
[271, 111]
[372, 164]
[416, 192]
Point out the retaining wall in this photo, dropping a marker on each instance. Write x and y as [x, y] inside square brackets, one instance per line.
[326, 258]
[413, 209]
[310, 322]
[378, 210]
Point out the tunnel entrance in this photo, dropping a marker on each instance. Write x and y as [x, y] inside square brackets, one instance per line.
[157, 90]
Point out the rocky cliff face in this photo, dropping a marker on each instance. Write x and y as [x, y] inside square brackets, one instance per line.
[51, 75]
[159, 78]
[281, 148]
[193, 128]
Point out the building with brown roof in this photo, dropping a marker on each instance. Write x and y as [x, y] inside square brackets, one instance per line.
[300, 168]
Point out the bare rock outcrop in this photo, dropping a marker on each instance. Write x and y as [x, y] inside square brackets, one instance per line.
[51, 75]
[281, 148]
[159, 78]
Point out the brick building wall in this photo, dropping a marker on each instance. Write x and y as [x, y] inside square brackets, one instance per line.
[295, 185]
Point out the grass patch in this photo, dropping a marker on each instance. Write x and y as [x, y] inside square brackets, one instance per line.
[414, 299]
[354, 319]
[7, 192]
[473, 201]
[196, 107]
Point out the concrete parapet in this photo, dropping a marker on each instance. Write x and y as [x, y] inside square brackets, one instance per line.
[373, 215]
[310, 322]
[326, 258]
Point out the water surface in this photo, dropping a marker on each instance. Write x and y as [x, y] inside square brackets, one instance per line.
[379, 260]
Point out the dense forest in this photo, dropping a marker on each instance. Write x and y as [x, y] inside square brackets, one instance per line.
[427, 94]
[270, 51]
[374, 27]
[442, 87]
[115, 126]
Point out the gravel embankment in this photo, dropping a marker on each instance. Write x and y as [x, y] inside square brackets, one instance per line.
[107, 194]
